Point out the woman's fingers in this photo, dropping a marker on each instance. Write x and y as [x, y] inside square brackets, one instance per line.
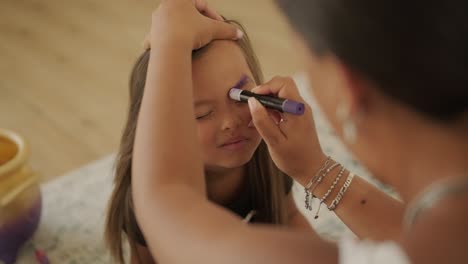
[218, 28]
[223, 30]
[280, 86]
[202, 7]
[292, 143]
[265, 124]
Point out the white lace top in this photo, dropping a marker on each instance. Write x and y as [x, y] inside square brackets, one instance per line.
[353, 251]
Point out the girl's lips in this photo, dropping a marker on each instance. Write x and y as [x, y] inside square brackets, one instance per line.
[235, 145]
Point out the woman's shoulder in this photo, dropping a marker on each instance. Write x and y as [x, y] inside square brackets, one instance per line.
[353, 251]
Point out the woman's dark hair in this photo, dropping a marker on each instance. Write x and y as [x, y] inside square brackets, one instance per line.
[416, 52]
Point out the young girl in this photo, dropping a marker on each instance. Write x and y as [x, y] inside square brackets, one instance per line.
[238, 169]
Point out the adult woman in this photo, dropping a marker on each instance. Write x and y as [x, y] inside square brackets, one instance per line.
[379, 109]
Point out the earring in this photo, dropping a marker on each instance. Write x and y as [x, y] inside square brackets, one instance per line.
[348, 124]
[349, 131]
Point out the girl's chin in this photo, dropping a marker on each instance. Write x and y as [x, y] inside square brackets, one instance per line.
[230, 162]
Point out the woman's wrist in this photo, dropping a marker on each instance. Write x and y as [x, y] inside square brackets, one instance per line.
[172, 41]
[319, 189]
[312, 169]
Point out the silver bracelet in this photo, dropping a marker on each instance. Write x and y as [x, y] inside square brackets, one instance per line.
[325, 173]
[312, 180]
[343, 190]
[308, 194]
[332, 187]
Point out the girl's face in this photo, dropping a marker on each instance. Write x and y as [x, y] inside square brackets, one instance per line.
[226, 140]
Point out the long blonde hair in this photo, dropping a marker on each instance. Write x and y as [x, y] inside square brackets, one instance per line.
[267, 186]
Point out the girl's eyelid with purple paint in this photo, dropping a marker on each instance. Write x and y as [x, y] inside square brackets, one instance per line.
[245, 79]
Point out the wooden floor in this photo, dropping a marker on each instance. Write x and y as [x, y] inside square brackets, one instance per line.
[64, 67]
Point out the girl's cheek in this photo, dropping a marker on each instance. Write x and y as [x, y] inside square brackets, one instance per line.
[244, 112]
[206, 136]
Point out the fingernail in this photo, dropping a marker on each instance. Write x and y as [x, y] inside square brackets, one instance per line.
[254, 89]
[252, 103]
[239, 34]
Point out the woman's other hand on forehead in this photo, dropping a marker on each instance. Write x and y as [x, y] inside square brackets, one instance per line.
[202, 7]
[219, 33]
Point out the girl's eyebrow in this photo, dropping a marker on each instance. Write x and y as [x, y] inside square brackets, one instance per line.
[204, 102]
[243, 80]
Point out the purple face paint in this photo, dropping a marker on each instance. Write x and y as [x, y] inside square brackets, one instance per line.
[241, 82]
[276, 103]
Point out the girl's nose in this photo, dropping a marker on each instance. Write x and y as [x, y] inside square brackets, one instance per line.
[232, 120]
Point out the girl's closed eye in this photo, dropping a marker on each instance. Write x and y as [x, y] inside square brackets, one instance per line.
[204, 115]
[204, 108]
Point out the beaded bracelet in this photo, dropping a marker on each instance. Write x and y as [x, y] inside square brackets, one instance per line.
[325, 173]
[332, 187]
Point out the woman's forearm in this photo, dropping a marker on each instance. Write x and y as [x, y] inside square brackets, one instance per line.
[366, 210]
[165, 150]
[166, 155]
[371, 213]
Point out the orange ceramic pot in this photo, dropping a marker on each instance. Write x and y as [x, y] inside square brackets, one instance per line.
[20, 196]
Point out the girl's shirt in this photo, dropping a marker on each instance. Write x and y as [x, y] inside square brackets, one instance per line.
[242, 206]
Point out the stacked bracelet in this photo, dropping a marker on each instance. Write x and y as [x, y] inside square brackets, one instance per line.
[308, 194]
[318, 177]
[332, 187]
[343, 190]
